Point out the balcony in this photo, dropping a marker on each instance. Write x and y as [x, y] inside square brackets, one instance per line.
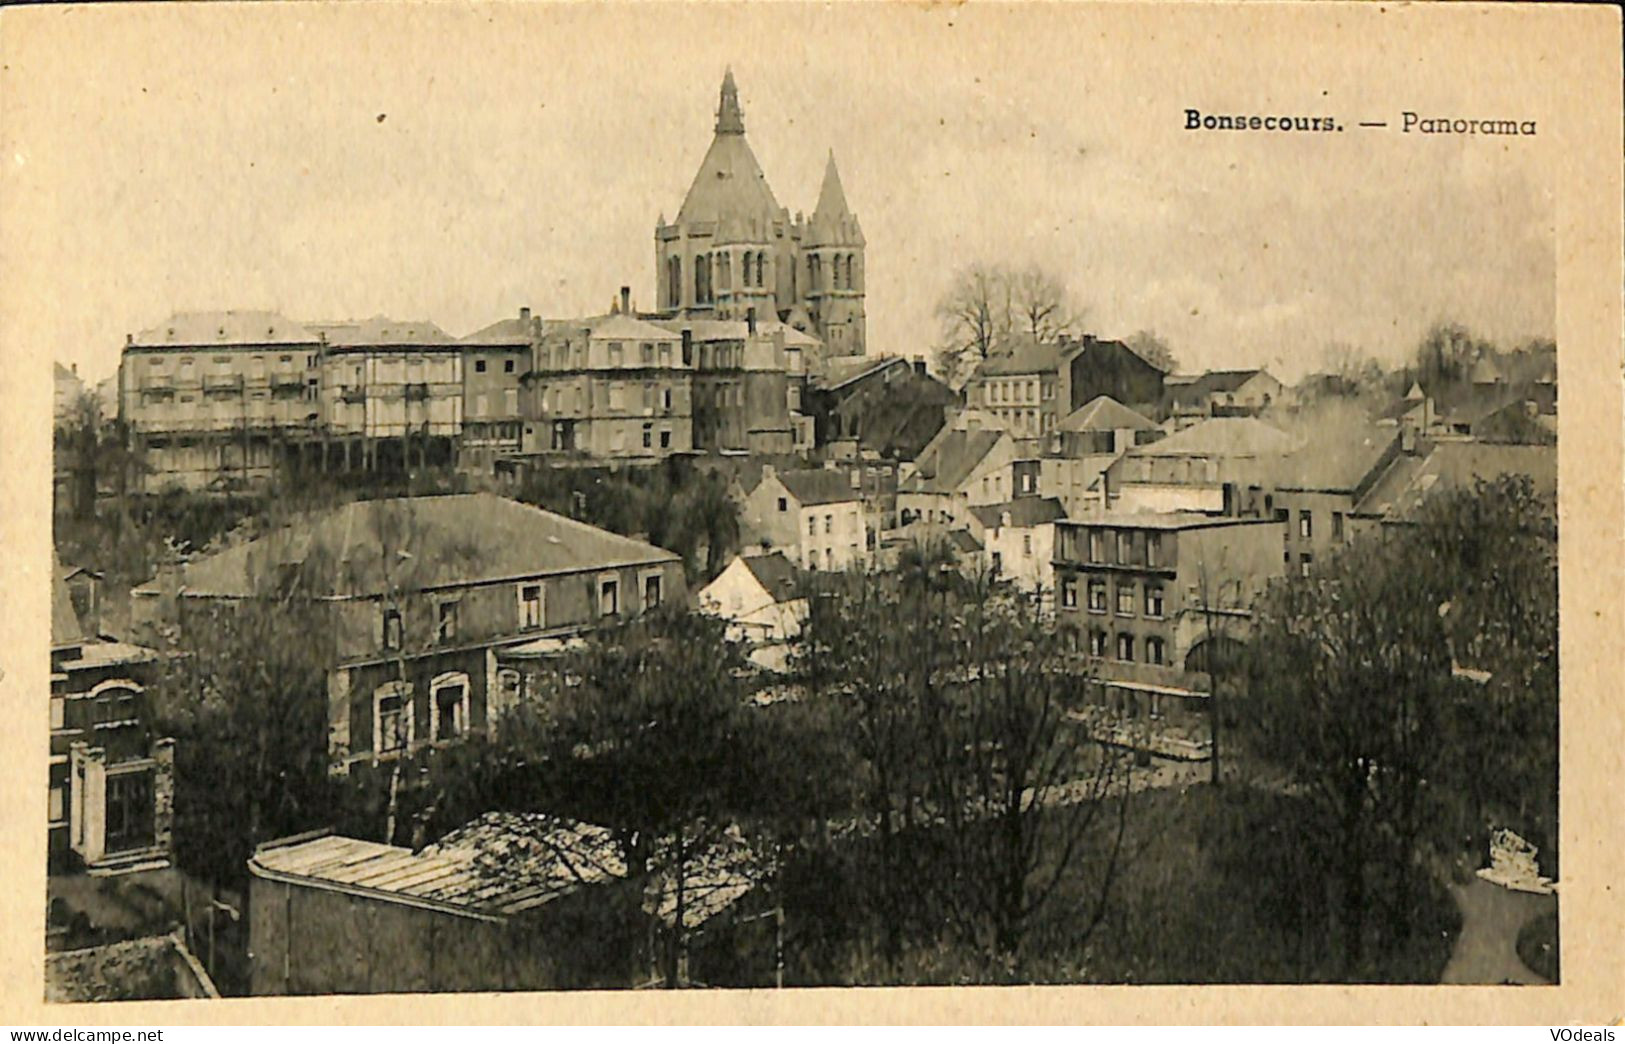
[417, 392]
[220, 381]
[353, 395]
[287, 380]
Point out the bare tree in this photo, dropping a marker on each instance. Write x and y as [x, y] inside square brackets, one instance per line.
[1153, 349]
[988, 309]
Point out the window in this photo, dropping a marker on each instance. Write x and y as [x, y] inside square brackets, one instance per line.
[615, 353]
[829, 524]
[812, 525]
[1069, 592]
[57, 806]
[1097, 596]
[1027, 544]
[392, 628]
[1337, 525]
[448, 707]
[129, 811]
[1153, 548]
[665, 399]
[1125, 647]
[1153, 601]
[1304, 562]
[58, 712]
[1125, 548]
[829, 559]
[784, 505]
[609, 598]
[647, 350]
[391, 718]
[665, 438]
[1305, 525]
[1154, 650]
[530, 607]
[1125, 599]
[1097, 546]
[998, 563]
[651, 591]
[446, 622]
[648, 436]
[1097, 642]
[507, 366]
[479, 365]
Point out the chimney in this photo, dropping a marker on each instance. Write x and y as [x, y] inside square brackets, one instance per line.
[524, 314]
[919, 367]
[129, 339]
[768, 472]
[750, 320]
[626, 300]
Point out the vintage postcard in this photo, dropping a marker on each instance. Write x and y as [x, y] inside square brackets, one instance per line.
[561, 512]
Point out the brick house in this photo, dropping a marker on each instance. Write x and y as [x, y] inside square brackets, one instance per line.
[425, 596]
[111, 781]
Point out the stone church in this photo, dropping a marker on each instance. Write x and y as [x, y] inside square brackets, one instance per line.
[734, 252]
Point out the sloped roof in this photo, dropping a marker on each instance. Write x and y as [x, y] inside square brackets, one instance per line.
[1211, 383]
[819, 486]
[707, 329]
[1025, 512]
[793, 338]
[832, 220]
[382, 330]
[510, 331]
[845, 369]
[730, 184]
[775, 573]
[626, 328]
[65, 627]
[62, 373]
[448, 540]
[1104, 413]
[497, 866]
[1409, 481]
[1030, 357]
[223, 329]
[1221, 437]
[831, 197]
[950, 458]
[963, 541]
[1342, 460]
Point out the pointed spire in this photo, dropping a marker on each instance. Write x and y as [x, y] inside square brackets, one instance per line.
[831, 199]
[729, 119]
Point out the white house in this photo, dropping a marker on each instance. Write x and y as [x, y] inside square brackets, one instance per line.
[1018, 540]
[813, 515]
[756, 594]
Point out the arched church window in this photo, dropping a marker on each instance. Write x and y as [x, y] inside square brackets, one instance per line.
[851, 280]
[761, 268]
[674, 280]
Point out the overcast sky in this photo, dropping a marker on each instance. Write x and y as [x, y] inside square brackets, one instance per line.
[334, 162]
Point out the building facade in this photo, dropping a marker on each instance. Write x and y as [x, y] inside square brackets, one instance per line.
[733, 248]
[495, 361]
[815, 516]
[1021, 388]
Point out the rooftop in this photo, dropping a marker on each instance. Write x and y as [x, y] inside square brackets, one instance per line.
[1221, 437]
[1409, 481]
[1024, 512]
[1163, 520]
[1028, 358]
[819, 485]
[775, 573]
[438, 541]
[223, 329]
[948, 460]
[1104, 413]
[1340, 459]
[382, 331]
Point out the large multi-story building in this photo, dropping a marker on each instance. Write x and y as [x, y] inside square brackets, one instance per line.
[733, 248]
[613, 386]
[208, 396]
[395, 386]
[1021, 389]
[495, 361]
[425, 599]
[1154, 599]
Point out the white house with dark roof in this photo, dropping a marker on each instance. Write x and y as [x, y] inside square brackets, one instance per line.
[814, 516]
[1018, 540]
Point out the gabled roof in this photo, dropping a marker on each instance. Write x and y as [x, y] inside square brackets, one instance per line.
[627, 328]
[844, 370]
[793, 338]
[1221, 437]
[945, 464]
[1028, 358]
[1104, 413]
[62, 373]
[511, 331]
[223, 329]
[1214, 382]
[1409, 481]
[819, 486]
[775, 573]
[447, 541]
[1025, 512]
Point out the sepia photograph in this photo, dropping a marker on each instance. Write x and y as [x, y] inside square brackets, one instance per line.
[701, 497]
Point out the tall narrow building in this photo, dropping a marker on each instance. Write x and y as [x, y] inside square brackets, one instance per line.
[733, 251]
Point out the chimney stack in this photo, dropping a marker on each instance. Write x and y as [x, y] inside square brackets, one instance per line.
[919, 367]
[626, 300]
[524, 314]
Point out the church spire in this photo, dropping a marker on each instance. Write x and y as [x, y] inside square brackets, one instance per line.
[831, 198]
[729, 119]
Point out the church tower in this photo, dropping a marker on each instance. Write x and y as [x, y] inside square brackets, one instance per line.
[733, 249]
[832, 251]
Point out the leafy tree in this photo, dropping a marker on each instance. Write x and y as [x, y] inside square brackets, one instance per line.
[1408, 688]
[1153, 349]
